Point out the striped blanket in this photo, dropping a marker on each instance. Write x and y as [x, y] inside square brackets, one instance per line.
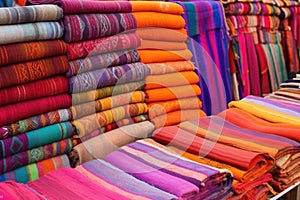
[27, 14]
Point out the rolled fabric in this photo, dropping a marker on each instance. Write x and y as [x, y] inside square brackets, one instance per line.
[20, 73]
[94, 121]
[14, 112]
[27, 51]
[162, 20]
[30, 32]
[90, 26]
[162, 34]
[103, 45]
[108, 76]
[103, 92]
[170, 67]
[247, 120]
[117, 180]
[87, 6]
[26, 14]
[34, 155]
[171, 93]
[176, 117]
[171, 80]
[17, 191]
[100, 146]
[35, 170]
[35, 122]
[163, 107]
[160, 7]
[158, 56]
[100, 105]
[102, 61]
[33, 90]
[36, 138]
[162, 45]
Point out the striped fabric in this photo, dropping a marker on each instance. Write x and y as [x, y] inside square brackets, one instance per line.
[252, 8]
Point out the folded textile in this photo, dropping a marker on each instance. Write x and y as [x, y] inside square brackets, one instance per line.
[177, 186]
[14, 112]
[117, 180]
[94, 121]
[17, 191]
[288, 94]
[36, 138]
[35, 170]
[102, 61]
[162, 34]
[30, 32]
[160, 7]
[33, 90]
[171, 93]
[171, 80]
[103, 45]
[34, 155]
[6, 3]
[90, 26]
[26, 51]
[209, 179]
[255, 8]
[100, 146]
[26, 14]
[87, 6]
[158, 56]
[103, 92]
[184, 140]
[269, 110]
[32, 70]
[170, 67]
[53, 186]
[162, 45]
[259, 192]
[35, 122]
[244, 119]
[163, 107]
[162, 20]
[107, 103]
[108, 76]
[176, 117]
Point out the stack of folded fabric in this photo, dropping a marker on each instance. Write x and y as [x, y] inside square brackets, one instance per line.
[207, 31]
[152, 163]
[256, 25]
[34, 104]
[171, 88]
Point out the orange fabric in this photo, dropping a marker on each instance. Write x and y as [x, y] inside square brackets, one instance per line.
[157, 6]
[162, 45]
[171, 93]
[162, 34]
[163, 107]
[21, 2]
[172, 79]
[157, 56]
[47, 166]
[170, 67]
[177, 117]
[249, 121]
[163, 20]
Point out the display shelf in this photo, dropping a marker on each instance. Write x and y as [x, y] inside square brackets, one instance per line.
[294, 191]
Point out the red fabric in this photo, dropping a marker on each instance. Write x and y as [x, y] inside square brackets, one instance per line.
[265, 82]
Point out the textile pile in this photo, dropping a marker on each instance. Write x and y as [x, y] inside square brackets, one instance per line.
[35, 130]
[172, 86]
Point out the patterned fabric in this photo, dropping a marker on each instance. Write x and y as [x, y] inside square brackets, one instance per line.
[26, 51]
[263, 21]
[32, 70]
[87, 6]
[103, 45]
[107, 77]
[26, 14]
[30, 32]
[35, 122]
[91, 26]
[38, 89]
[35, 170]
[12, 112]
[102, 61]
[92, 122]
[34, 155]
[32, 139]
[252, 8]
